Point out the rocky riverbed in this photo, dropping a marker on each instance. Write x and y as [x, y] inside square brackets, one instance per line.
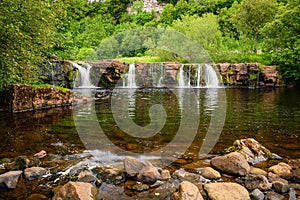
[247, 171]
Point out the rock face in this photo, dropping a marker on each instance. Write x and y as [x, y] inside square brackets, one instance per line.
[34, 173]
[75, 191]
[19, 98]
[225, 191]
[253, 151]
[187, 191]
[10, 179]
[233, 163]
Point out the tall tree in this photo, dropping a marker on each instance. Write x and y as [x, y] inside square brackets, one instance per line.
[250, 16]
[283, 41]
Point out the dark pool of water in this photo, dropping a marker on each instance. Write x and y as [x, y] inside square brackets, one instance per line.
[119, 122]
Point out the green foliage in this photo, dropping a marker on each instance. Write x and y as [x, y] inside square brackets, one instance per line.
[282, 41]
[250, 16]
[25, 29]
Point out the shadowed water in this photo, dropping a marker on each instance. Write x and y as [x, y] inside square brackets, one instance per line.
[271, 116]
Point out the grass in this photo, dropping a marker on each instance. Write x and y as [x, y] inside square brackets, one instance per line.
[48, 85]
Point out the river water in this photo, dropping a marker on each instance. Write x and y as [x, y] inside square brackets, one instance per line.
[173, 123]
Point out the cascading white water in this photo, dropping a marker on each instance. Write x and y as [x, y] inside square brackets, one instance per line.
[211, 77]
[129, 78]
[84, 74]
[52, 74]
[198, 76]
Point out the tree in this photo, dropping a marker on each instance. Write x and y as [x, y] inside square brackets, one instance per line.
[250, 16]
[25, 30]
[282, 41]
[204, 30]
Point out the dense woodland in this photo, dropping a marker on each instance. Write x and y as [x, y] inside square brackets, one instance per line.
[36, 31]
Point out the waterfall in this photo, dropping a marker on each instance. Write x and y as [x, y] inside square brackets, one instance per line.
[211, 77]
[184, 79]
[129, 78]
[84, 74]
[52, 74]
[198, 76]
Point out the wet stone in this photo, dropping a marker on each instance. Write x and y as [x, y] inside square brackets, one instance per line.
[140, 187]
[274, 196]
[257, 195]
[209, 173]
[257, 182]
[281, 187]
[187, 176]
[10, 179]
[35, 173]
[109, 175]
[187, 191]
[233, 163]
[37, 197]
[86, 176]
[283, 170]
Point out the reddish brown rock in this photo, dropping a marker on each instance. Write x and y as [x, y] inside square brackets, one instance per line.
[187, 191]
[233, 163]
[75, 191]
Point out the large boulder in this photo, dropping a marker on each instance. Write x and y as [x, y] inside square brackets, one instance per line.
[10, 179]
[225, 191]
[252, 150]
[75, 191]
[283, 170]
[187, 191]
[233, 163]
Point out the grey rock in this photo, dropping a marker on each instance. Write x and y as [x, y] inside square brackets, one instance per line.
[257, 195]
[35, 173]
[281, 187]
[10, 179]
[274, 196]
[132, 166]
[257, 182]
[148, 174]
[187, 176]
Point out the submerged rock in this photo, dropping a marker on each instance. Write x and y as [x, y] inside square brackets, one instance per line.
[35, 173]
[10, 179]
[23, 162]
[109, 175]
[233, 163]
[76, 191]
[225, 191]
[86, 176]
[253, 151]
[37, 197]
[274, 196]
[187, 191]
[281, 187]
[281, 169]
[187, 176]
[143, 171]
